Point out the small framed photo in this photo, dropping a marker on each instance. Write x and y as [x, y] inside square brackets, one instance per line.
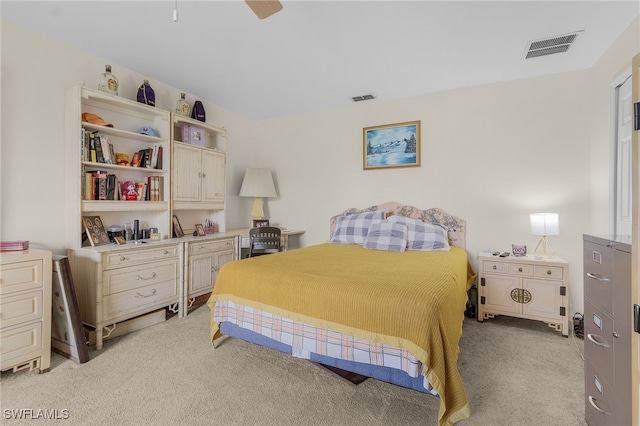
[391, 145]
[120, 240]
[259, 223]
[177, 228]
[200, 230]
[155, 236]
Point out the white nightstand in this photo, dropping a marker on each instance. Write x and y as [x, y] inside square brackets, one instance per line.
[524, 287]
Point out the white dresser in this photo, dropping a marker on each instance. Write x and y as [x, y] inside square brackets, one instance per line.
[25, 310]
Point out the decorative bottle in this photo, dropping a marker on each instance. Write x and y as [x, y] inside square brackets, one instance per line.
[182, 106]
[108, 82]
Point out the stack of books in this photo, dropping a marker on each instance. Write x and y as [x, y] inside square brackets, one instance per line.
[14, 245]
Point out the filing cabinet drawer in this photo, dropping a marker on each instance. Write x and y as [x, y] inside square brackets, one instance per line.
[598, 279]
[598, 340]
[598, 394]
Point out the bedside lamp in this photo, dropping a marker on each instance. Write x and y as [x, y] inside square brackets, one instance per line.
[258, 183]
[545, 224]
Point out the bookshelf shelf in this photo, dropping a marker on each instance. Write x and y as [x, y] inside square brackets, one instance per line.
[96, 206]
[118, 167]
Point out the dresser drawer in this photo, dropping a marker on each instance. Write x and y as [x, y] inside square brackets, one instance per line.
[549, 272]
[210, 246]
[124, 303]
[21, 276]
[599, 340]
[132, 257]
[124, 279]
[18, 342]
[521, 269]
[20, 309]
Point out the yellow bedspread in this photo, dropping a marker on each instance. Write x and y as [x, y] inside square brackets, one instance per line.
[412, 300]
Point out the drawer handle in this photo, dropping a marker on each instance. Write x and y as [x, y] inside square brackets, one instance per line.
[165, 252]
[138, 295]
[495, 267]
[597, 277]
[592, 338]
[520, 269]
[548, 271]
[153, 275]
[122, 258]
[592, 401]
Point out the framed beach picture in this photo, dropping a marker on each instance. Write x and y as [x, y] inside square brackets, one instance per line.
[391, 145]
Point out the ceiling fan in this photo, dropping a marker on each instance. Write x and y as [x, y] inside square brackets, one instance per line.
[264, 8]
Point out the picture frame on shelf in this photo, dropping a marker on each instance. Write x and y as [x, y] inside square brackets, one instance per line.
[200, 230]
[67, 334]
[95, 232]
[259, 223]
[177, 228]
[120, 240]
[391, 145]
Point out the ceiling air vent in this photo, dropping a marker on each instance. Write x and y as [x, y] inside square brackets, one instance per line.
[362, 98]
[549, 46]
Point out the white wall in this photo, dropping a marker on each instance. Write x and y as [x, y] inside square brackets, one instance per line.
[36, 71]
[491, 154]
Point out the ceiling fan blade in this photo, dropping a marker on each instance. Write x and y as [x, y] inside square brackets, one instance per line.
[264, 8]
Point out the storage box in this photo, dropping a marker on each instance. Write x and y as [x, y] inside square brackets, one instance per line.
[193, 135]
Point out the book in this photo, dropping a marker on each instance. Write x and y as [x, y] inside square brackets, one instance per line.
[111, 187]
[106, 152]
[98, 145]
[99, 184]
[94, 229]
[159, 162]
[154, 157]
[92, 148]
[14, 245]
[89, 186]
[135, 160]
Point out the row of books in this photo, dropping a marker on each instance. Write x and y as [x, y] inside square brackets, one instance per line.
[97, 149]
[101, 185]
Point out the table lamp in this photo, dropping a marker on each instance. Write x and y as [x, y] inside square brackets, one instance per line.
[258, 183]
[545, 224]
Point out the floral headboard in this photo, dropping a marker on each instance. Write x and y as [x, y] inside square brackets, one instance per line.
[456, 226]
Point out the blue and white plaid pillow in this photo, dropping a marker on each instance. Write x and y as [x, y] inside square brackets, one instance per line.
[354, 228]
[387, 236]
[423, 236]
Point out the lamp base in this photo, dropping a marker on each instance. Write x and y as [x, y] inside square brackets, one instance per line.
[257, 213]
[546, 250]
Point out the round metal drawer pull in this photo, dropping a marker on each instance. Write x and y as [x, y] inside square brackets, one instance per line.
[519, 269]
[165, 252]
[495, 267]
[549, 272]
[153, 275]
[122, 258]
[138, 295]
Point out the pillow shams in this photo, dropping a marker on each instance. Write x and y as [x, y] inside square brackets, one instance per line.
[354, 228]
[387, 236]
[423, 236]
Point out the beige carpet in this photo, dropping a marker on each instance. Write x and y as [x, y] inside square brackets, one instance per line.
[516, 372]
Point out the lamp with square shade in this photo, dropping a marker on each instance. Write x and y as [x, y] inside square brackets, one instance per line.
[545, 224]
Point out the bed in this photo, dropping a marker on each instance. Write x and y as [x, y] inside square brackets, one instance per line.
[384, 298]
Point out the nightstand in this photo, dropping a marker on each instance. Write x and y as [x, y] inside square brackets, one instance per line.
[524, 287]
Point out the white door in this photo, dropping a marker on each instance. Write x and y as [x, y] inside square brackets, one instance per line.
[624, 124]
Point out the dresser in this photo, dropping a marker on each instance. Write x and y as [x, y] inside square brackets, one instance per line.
[524, 287]
[25, 310]
[116, 283]
[607, 330]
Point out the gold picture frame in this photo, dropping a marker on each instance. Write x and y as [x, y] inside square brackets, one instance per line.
[200, 230]
[391, 145]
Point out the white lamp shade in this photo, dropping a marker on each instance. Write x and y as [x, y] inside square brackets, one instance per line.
[258, 183]
[545, 224]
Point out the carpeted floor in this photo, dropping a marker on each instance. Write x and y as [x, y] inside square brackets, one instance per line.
[516, 372]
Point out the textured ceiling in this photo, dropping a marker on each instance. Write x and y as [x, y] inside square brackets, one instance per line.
[315, 55]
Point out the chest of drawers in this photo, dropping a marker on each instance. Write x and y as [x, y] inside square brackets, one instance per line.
[115, 283]
[524, 287]
[25, 310]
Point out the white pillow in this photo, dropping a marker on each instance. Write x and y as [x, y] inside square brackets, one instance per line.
[423, 236]
[354, 228]
[387, 236]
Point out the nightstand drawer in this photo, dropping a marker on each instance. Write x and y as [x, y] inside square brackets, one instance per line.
[210, 246]
[132, 257]
[124, 279]
[20, 276]
[491, 266]
[20, 341]
[20, 309]
[517, 268]
[550, 272]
